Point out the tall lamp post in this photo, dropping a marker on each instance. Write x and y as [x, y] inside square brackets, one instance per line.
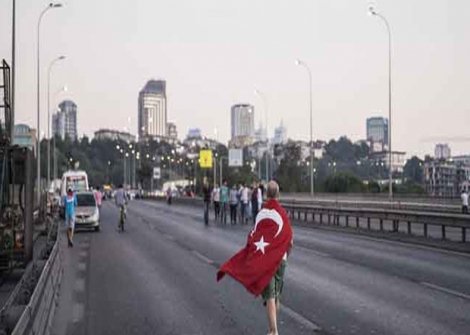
[49, 116]
[38, 144]
[265, 105]
[373, 12]
[301, 63]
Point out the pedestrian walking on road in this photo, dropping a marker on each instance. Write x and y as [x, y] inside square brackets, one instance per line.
[206, 193]
[216, 201]
[98, 198]
[260, 266]
[464, 197]
[243, 203]
[70, 201]
[256, 201]
[233, 204]
[224, 194]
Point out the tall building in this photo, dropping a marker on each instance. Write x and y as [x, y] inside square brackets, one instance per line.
[171, 130]
[243, 120]
[64, 122]
[442, 151]
[280, 134]
[153, 109]
[377, 133]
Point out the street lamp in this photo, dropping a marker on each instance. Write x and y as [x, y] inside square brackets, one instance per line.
[265, 105]
[38, 146]
[298, 62]
[54, 157]
[373, 12]
[49, 117]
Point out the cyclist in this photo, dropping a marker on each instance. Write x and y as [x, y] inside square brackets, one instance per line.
[121, 201]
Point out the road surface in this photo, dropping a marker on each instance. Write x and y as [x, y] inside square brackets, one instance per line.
[159, 278]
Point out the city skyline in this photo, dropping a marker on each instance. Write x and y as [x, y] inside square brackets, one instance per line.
[429, 48]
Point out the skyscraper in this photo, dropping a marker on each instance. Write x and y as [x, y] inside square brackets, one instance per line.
[64, 122]
[153, 109]
[377, 132]
[243, 120]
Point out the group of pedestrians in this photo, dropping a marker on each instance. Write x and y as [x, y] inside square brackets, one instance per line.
[243, 202]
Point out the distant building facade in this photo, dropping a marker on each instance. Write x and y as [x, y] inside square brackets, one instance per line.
[24, 136]
[440, 178]
[64, 122]
[171, 130]
[442, 151]
[280, 134]
[398, 160]
[152, 110]
[446, 178]
[242, 118]
[377, 133]
[114, 135]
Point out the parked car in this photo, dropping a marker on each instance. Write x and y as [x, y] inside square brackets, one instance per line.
[87, 214]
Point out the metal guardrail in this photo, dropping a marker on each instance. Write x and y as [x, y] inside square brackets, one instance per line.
[333, 215]
[38, 314]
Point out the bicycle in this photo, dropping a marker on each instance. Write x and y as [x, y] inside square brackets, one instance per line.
[122, 217]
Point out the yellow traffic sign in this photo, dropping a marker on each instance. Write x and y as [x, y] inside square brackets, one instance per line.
[205, 159]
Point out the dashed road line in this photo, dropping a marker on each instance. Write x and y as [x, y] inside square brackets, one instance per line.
[300, 319]
[446, 290]
[202, 257]
[79, 285]
[315, 252]
[169, 237]
[81, 267]
[78, 312]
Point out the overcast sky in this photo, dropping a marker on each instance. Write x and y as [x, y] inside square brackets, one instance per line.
[214, 53]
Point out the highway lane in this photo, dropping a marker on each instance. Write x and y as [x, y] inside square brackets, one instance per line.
[159, 278]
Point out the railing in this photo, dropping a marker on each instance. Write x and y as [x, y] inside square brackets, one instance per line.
[333, 215]
[38, 314]
[363, 217]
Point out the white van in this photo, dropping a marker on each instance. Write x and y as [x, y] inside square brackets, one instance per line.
[76, 180]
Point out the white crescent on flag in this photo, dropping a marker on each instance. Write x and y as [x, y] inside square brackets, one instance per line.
[271, 214]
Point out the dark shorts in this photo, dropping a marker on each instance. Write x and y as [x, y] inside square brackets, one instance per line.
[274, 288]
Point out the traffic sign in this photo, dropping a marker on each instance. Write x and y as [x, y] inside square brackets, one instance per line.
[235, 157]
[205, 159]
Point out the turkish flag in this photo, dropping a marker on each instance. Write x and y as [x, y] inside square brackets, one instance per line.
[267, 243]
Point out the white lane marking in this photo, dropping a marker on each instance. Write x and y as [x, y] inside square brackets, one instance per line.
[300, 319]
[81, 267]
[315, 252]
[84, 254]
[169, 237]
[78, 312]
[202, 257]
[79, 285]
[446, 290]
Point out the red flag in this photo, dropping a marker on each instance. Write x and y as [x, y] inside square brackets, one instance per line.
[267, 243]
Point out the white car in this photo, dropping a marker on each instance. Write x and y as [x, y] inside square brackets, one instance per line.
[87, 214]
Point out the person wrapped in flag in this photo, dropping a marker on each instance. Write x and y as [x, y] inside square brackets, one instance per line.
[261, 264]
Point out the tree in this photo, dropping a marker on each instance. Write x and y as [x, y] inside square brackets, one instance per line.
[413, 170]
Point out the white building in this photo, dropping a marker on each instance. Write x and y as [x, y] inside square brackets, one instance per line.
[242, 120]
[64, 122]
[442, 151]
[398, 159]
[153, 110]
[280, 134]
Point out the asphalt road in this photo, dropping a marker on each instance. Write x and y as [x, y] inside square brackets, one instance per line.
[159, 278]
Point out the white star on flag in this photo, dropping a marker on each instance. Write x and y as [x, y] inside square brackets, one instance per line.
[260, 245]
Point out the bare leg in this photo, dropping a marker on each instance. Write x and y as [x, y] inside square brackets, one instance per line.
[272, 315]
